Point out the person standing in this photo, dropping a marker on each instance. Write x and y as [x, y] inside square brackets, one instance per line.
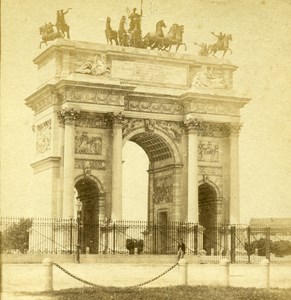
[181, 250]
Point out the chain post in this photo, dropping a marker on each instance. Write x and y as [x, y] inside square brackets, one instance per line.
[268, 234]
[114, 233]
[232, 244]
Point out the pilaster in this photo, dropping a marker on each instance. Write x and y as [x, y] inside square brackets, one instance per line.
[234, 173]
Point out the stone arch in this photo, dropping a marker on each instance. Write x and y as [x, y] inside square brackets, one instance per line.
[95, 179]
[160, 142]
[213, 185]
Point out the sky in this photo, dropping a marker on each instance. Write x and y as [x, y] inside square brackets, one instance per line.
[261, 46]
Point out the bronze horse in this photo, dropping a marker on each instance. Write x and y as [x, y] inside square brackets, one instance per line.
[123, 36]
[110, 33]
[155, 39]
[48, 36]
[174, 37]
[212, 49]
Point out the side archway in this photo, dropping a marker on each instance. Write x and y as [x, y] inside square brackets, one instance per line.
[90, 196]
[207, 196]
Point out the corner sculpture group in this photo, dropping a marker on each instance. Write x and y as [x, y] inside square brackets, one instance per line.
[132, 37]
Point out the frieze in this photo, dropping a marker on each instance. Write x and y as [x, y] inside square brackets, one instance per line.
[92, 96]
[211, 171]
[211, 108]
[43, 137]
[173, 129]
[163, 190]
[89, 120]
[88, 143]
[208, 151]
[154, 107]
[89, 164]
[214, 130]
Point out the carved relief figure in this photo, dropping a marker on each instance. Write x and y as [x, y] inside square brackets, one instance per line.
[97, 68]
[163, 190]
[208, 151]
[43, 137]
[206, 78]
[88, 144]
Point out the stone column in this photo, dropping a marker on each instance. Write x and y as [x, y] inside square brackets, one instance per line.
[193, 127]
[234, 173]
[69, 117]
[116, 210]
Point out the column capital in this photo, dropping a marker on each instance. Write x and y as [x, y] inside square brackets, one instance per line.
[193, 125]
[234, 128]
[68, 116]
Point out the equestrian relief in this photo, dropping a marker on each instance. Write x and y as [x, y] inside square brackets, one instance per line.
[130, 35]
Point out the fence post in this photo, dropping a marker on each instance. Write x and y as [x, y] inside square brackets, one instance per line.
[71, 235]
[47, 265]
[268, 233]
[249, 244]
[265, 263]
[225, 272]
[183, 271]
[232, 244]
[196, 239]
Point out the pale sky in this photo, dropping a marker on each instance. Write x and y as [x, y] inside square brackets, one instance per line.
[261, 48]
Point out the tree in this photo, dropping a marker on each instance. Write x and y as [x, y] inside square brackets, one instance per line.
[16, 236]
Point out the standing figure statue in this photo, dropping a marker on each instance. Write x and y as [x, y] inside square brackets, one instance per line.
[61, 24]
[134, 19]
[135, 28]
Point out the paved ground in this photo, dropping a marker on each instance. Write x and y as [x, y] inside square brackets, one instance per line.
[29, 277]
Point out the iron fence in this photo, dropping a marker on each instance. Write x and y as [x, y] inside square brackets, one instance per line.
[237, 242]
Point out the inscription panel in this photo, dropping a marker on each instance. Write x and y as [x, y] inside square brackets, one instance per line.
[147, 72]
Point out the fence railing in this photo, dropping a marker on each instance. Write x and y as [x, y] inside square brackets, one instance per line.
[237, 242]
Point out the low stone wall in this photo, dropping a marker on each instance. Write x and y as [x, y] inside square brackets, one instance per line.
[31, 277]
[95, 258]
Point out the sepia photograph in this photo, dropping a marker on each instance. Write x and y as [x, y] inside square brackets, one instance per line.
[145, 149]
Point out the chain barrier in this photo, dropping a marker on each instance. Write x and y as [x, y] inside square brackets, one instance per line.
[133, 286]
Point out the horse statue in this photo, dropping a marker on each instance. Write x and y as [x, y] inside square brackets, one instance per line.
[124, 36]
[48, 35]
[110, 33]
[178, 39]
[155, 39]
[174, 37]
[222, 46]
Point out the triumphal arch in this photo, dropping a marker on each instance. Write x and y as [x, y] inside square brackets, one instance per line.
[180, 108]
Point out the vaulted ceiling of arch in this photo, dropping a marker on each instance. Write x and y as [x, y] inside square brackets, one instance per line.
[155, 147]
[87, 190]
